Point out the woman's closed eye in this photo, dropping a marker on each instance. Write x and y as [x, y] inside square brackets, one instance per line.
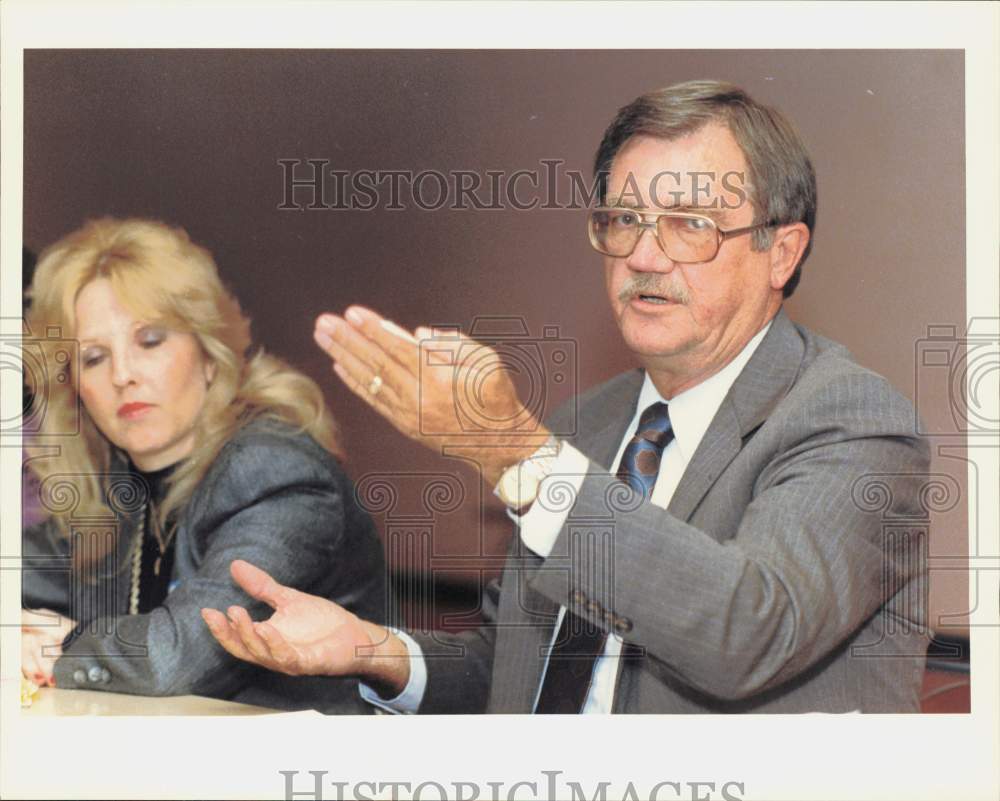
[91, 357]
[151, 336]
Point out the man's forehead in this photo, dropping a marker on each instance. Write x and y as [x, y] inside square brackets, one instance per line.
[713, 141]
[711, 147]
[701, 169]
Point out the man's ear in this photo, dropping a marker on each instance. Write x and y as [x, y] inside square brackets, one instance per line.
[786, 251]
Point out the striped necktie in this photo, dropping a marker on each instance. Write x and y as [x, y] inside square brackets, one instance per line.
[580, 642]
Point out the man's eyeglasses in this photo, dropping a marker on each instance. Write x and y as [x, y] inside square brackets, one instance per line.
[684, 238]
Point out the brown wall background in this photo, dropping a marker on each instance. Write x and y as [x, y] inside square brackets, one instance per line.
[194, 138]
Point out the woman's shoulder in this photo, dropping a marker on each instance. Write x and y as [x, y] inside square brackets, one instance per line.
[267, 456]
[267, 434]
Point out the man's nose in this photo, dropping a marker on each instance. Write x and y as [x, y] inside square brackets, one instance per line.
[648, 256]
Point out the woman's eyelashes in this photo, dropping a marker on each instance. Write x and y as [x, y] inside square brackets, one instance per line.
[151, 336]
[91, 357]
[146, 337]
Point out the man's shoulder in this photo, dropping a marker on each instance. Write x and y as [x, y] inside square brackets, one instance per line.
[830, 383]
[827, 362]
[794, 368]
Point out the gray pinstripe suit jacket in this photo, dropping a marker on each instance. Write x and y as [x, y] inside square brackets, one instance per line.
[774, 582]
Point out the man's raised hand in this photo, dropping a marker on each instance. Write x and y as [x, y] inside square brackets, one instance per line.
[440, 389]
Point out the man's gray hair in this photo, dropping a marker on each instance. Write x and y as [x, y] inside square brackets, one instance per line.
[781, 179]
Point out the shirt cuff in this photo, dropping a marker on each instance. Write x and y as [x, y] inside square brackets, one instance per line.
[408, 701]
[541, 524]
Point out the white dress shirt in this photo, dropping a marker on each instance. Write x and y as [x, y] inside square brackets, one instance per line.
[691, 413]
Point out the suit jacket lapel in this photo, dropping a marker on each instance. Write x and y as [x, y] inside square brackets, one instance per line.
[615, 412]
[764, 381]
[717, 449]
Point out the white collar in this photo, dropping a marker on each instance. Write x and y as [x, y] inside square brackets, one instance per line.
[691, 411]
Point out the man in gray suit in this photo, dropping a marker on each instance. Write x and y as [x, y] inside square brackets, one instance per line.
[712, 539]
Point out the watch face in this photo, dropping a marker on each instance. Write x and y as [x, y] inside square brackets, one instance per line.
[518, 487]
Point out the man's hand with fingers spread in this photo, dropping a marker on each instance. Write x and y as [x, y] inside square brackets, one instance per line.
[430, 386]
[307, 635]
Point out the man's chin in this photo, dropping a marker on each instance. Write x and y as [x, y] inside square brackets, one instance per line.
[655, 348]
[649, 339]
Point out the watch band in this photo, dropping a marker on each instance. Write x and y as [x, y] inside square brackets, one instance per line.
[518, 485]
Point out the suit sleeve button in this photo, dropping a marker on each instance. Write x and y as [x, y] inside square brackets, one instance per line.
[623, 625]
[94, 674]
[105, 676]
[79, 677]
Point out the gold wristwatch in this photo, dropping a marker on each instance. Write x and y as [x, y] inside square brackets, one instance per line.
[518, 486]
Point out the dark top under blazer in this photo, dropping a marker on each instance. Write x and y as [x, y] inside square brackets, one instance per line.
[788, 573]
[273, 497]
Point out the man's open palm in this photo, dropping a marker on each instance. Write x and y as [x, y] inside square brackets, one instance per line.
[306, 635]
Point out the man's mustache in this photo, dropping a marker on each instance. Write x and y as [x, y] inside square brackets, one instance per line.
[652, 284]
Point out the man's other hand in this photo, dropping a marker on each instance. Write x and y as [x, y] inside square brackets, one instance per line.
[307, 635]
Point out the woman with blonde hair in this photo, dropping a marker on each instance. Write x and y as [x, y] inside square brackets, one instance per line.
[165, 452]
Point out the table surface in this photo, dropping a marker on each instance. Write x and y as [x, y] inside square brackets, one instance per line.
[54, 701]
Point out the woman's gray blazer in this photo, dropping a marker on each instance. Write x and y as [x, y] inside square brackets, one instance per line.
[272, 497]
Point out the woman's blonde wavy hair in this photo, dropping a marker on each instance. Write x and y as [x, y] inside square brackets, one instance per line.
[160, 275]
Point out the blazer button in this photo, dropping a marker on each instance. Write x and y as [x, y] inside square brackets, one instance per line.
[79, 677]
[623, 625]
[94, 674]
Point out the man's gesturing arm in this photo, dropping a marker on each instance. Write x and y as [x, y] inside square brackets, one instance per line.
[308, 635]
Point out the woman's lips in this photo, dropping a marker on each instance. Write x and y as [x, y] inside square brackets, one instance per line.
[132, 410]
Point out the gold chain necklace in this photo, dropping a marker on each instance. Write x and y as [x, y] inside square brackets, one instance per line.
[162, 542]
[133, 594]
